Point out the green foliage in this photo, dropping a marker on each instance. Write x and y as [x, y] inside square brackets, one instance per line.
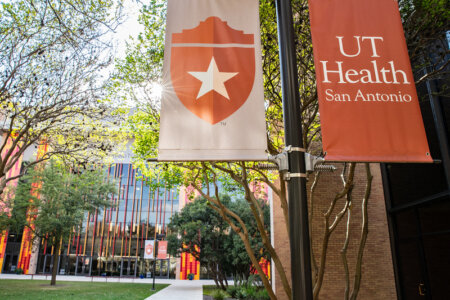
[209, 239]
[272, 79]
[237, 252]
[145, 54]
[219, 294]
[232, 291]
[52, 201]
[137, 77]
[425, 23]
[262, 294]
[200, 229]
[136, 83]
[247, 288]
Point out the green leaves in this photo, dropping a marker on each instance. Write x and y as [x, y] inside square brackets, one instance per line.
[425, 23]
[52, 200]
[199, 230]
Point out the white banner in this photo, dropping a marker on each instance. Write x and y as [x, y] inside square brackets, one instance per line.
[149, 250]
[213, 99]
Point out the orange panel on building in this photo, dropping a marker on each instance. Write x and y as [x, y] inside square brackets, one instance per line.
[14, 171]
[27, 240]
[189, 265]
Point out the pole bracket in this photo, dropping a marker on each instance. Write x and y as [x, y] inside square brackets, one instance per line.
[287, 176]
[290, 149]
[281, 160]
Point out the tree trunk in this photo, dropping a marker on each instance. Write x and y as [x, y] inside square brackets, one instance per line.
[364, 233]
[212, 270]
[2, 184]
[55, 261]
[215, 279]
[223, 278]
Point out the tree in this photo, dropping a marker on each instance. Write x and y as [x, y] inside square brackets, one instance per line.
[51, 92]
[199, 230]
[209, 175]
[52, 201]
[237, 254]
[425, 23]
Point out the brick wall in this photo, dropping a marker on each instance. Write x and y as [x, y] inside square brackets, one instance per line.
[377, 271]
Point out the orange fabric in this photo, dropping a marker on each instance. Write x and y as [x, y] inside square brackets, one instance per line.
[368, 103]
[214, 31]
[162, 249]
[212, 106]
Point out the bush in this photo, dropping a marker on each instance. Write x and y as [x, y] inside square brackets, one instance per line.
[218, 294]
[262, 295]
[250, 288]
[232, 291]
[18, 271]
[248, 292]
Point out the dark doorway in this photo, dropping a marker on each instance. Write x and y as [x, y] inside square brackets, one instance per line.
[83, 266]
[128, 267]
[162, 268]
[45, 264]
[12, 253]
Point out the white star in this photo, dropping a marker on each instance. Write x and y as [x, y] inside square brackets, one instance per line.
[213, 80]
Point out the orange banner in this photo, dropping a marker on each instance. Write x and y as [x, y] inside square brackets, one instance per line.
[162, 249]
[368, 103]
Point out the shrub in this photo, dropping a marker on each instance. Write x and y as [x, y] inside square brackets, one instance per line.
[250, 292]
[262, 295]
[232, 291]
[218, 294]
[19, 271]
[241, 293]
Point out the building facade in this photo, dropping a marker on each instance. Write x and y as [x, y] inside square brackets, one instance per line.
[109, 242]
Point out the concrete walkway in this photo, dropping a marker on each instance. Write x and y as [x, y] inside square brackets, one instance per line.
[177, 290]
[181, 290]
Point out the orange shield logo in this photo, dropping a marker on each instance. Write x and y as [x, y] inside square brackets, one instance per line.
[149, 249]
[212, 69]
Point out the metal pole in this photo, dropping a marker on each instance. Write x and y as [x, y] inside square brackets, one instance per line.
[298, 209]
[154, 262]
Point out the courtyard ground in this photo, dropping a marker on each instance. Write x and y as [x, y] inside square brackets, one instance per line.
[41, 289]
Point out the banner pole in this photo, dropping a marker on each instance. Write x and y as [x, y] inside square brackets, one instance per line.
[154, 262]
[298, 208]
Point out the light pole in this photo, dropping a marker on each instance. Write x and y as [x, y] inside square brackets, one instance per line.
[298, 209]
[154, 264]
[158, 237]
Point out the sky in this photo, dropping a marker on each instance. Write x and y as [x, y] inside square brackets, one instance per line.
[130, 26]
